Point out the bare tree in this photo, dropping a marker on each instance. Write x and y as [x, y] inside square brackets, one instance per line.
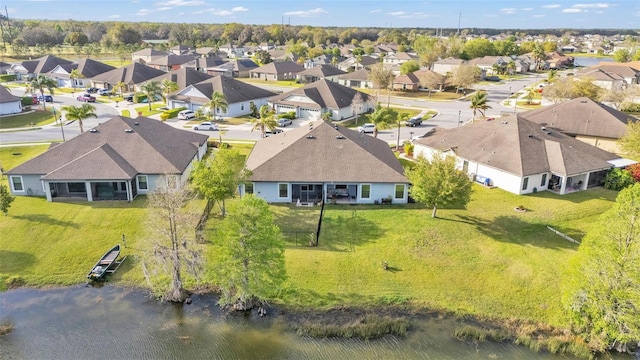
[172, 235]
[382, 78]
[431, 80]
[464, 76]
[614, 96]
[356, 105]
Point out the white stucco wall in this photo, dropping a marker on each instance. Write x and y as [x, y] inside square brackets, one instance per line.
[269, 192]
[13, 107]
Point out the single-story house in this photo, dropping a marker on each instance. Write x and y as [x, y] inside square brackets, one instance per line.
[117, 160]
[322, 162]
[318, 72]
[9, 103]
[354, 63]
[312, 100]
[586, 120]
[426, 74]
[183, 77]
[134, 75]
[447, 65]
[406, 82]
[239, 95]
[87, 67]
[357, 79]
[522, 157]
[171, 62]
[277, 70]
[29, 69]
[147, 55]
[615, 77]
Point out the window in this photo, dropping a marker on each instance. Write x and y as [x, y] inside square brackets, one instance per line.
[465, 166]
[248, 188]
[242, 106]
[399, 191]
[544, 180]
[283, 190]
[525, 183]
[16, 183]
[142, 182]
[365, 191]
[77, 187]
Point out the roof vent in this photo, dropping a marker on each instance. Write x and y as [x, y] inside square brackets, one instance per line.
[530, 135]
[340, 137]
[548, 132]
[128, 130]
[136, 123]
[310, 137]
[583, 101]
[543, 128]
[93, 130]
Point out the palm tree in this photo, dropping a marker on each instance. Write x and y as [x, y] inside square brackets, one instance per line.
[382, 118]
[265, 121]
[39, 84]
[552, 75]
[531, 93]
[73, 75]
[121, 86]
[219, 101]
[80, 113]
[479, 103]
[168, 87]
[152, 89]
[402, 117]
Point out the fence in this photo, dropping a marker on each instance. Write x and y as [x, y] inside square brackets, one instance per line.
[566, 237]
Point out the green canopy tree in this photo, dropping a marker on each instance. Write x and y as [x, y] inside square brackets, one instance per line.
[172, 252]
[80, 113]
[152, 89]
[602, 285]
[218, 178]
[409, 67]
[265, 121]
[382, 118]
[39, 84]
[218, 102]
[249, 255]
[5, 199]
[438, 183]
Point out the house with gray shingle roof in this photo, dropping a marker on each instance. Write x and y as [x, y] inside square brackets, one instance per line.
[172, 62]
[322, 162]
[522, 157]
[117, 160]
[134, 75]
[183, 77]
[447, 65]
[318, 72]
[87, 67]
[239, 95]
[277, 70]
[29, 69]
[357, 79]
[586, 120]
[9, 103]
[312, 100]
[146, 55]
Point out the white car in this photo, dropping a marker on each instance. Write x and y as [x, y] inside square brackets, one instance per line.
[186, 114]
[272, 132]
[284, 122]
[367, 128]
[206, 126]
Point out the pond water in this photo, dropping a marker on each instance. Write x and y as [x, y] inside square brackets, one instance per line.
[115, 323]
[589, 61]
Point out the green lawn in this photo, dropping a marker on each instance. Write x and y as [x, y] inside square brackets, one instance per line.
[37, 118]
[144, 109]
[12, 156]
[288, 83]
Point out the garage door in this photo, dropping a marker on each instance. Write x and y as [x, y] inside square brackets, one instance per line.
[309, 113]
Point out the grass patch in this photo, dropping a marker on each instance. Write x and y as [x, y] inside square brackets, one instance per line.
[479, 334]
[125, 112]
[288, 83]
[144, 110]
[366, 327]
[12, 156]
[36, 118]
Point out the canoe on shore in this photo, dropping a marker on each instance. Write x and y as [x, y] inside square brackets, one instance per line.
[106, 261]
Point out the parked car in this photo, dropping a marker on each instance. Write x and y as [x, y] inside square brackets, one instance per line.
[86, 98]
[91, 90]
[284, 122]
[414, 121]
[367, 128]
[104, 92]
[272, 132]
[35, 100]
[47, 98]
[128, 97]
[206, 126]
[186, 115]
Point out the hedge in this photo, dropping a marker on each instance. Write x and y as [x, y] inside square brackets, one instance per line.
[8, 77]
[171, 113]
[291, 115]
[27, 100]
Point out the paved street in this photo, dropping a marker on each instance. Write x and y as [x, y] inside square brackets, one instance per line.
[449, 114]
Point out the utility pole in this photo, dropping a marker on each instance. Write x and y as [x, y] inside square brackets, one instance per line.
[459, 18]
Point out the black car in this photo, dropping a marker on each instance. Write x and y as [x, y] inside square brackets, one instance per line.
[414, 121]
[91, 90]
[128, 97]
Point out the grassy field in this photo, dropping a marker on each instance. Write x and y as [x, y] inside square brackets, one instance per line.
[486, 260]
[12, 156]
[36, 118]
[144, 109]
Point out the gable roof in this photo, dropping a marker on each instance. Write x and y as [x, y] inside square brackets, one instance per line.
[362, 74]
[279, 67]
[152, 147]
[409, 78]
[324, 153]
[234, 90]
[243, 64]
[322, 71]
[149, 52]
[183, 77]
[519, 146]
[46, 64]
[87, 67]
[134, 73]
[325, 94]
[620, 70]
[6, 96]
[582, 116]
[172, 59]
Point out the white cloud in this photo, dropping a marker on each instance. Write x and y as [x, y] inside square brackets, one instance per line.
[180, 3]
[508, 11]
[115, 16]
[592, 6]
[572, 11]
[375, 11]
[222, 12]
[239, 8]
[397, 13]
[553, 6]
[527, 9]
[306, 13]
[143, 12]
[164, 8]
[538, 16]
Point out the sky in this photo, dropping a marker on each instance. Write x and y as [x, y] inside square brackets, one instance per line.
[495, 14]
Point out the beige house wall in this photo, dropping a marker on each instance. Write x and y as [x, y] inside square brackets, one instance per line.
[608, 144]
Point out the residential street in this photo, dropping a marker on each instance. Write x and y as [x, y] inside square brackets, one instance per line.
[450, 114]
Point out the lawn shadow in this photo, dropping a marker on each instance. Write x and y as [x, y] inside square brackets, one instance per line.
[12, 262]
[343, 231]
[513, 229]
[46, 219]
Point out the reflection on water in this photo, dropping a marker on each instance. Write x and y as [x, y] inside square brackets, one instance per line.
[116, 323]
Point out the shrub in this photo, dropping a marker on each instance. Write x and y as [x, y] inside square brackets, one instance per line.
[631, 108]
[164, 116]
[7, 77]
[27, 101]
[618, 179]
[634, 170]
[171, 113]
[138, 97]
[408, 148]
[291, 115]
[367, 327]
